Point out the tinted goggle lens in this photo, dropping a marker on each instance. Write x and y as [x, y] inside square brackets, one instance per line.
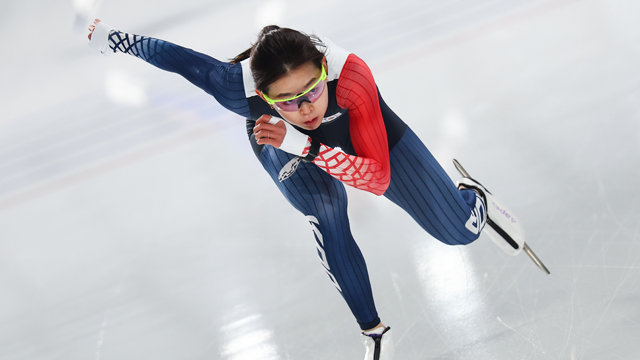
[312, 96]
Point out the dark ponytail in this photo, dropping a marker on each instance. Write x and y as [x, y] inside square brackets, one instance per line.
[277, 52]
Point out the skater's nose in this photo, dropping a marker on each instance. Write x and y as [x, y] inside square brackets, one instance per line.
[306, 108]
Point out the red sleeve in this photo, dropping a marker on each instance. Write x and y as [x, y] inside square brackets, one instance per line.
[370, 170]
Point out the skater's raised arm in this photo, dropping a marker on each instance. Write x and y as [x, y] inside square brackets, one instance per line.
[358, 93]
[222, 80]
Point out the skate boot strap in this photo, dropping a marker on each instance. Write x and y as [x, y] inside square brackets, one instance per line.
[378, 346]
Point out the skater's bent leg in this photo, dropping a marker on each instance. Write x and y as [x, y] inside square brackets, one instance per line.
[323, 200]
[423, 189]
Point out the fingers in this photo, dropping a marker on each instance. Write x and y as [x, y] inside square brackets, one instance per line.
[267, 137]
[263, 124]
[93, 27]
[269, 134]
[264, 129]
[263, 119]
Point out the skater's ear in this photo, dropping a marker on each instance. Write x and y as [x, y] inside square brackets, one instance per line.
[262, 97]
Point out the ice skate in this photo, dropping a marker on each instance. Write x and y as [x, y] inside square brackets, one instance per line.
[503, 227]
[378, 346]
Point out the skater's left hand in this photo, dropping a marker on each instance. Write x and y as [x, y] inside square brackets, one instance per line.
[93, 27]
[269, 134]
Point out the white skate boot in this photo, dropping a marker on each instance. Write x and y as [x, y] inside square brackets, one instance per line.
[503, 227]
[378, 347]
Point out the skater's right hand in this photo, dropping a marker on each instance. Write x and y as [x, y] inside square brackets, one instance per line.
[93, 27]
[267, 133]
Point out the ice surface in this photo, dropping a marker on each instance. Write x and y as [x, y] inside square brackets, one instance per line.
[143, 227]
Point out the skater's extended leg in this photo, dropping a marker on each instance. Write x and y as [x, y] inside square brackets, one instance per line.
[424, 190]
[323, 200]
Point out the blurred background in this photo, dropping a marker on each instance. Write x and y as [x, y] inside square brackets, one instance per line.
[136, 223]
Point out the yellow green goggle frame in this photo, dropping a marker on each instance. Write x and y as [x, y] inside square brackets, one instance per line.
[323, 77]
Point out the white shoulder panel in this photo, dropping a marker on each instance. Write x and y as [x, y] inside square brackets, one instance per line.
[247, 78]
[336, 58]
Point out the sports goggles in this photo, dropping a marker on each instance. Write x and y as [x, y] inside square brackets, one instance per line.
[293, 103]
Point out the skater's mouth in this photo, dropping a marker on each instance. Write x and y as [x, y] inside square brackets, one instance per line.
[312, 122]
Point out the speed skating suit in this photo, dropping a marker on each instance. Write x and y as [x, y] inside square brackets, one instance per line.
[364, 144]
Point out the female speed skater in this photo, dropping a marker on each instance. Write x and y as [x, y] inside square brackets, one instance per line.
[316, 121]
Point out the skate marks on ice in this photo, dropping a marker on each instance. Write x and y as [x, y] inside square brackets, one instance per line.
[557, 90]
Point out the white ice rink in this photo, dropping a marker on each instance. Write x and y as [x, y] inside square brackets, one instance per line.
[136, 223]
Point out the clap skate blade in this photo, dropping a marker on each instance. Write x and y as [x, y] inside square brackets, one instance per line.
[525, 247]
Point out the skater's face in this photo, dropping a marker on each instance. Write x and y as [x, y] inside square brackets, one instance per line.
[304, 88]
